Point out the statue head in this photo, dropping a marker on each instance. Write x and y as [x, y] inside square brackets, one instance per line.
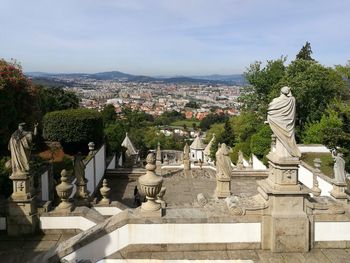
[21, 126]
[224, 149]
[286, 91]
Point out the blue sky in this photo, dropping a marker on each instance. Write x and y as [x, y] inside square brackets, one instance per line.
[169, 37]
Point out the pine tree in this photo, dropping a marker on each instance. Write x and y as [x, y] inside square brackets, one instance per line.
[305, 52]
[228, 136]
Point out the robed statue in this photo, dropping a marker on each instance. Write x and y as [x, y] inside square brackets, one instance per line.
[223, 162]
[281, 118]
[79, 168]
[339, 167]
[19, 146]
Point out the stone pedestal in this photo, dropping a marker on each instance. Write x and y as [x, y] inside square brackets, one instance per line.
[223, 187]
[338, 192]
[286, 225]
[22, 211]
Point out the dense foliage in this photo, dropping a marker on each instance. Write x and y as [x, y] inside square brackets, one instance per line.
[74, 128]
[18, 101]
[142, 131]
[315, 87]
[211, 119]
[333, 129]
[53, 99]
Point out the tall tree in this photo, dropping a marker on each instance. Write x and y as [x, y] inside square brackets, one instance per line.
[228, 136]
[262, 81]
[305, 52]
[108, 114]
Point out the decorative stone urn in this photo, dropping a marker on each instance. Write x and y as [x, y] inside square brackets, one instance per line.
[151, 185]
[105, 191]
[64, 190]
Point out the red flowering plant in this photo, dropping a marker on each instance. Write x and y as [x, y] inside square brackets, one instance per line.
[18, 100]
[11, 76]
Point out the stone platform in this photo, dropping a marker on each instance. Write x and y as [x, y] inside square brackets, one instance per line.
[181, 190]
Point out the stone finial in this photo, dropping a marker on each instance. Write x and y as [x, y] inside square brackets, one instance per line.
[315, 189]
[250, 161]
[105, 192]
[159, 153]
[159, 160]
[91, 146]
[64, 190]
[151, 185]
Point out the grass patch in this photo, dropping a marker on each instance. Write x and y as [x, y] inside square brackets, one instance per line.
[188, 123]
[326, 162]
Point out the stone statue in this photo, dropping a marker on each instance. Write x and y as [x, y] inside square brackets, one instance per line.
[223, 162]
[186, 152]
[339, 167]
[240, 164]
[281, 117]
[19, 145]
[79, 168]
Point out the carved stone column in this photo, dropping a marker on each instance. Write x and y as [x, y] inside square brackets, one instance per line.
[151, 185]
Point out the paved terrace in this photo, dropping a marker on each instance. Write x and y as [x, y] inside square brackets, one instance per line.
[23, 248]
[181, 191]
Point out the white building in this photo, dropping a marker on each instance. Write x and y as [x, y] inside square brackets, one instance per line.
[197, 150]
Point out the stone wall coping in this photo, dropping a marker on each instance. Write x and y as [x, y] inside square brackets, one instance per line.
[82, 211]
[134, 217]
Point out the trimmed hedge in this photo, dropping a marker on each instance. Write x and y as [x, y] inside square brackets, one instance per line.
[73, 127]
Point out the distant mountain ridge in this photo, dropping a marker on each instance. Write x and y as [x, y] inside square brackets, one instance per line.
[235, 79]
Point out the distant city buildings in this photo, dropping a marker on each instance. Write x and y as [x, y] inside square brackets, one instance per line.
[157, 98]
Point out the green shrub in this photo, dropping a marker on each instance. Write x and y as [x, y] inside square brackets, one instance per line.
[73, 128]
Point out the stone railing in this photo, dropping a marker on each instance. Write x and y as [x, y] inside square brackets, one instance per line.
[95, 168]
[306, 177]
